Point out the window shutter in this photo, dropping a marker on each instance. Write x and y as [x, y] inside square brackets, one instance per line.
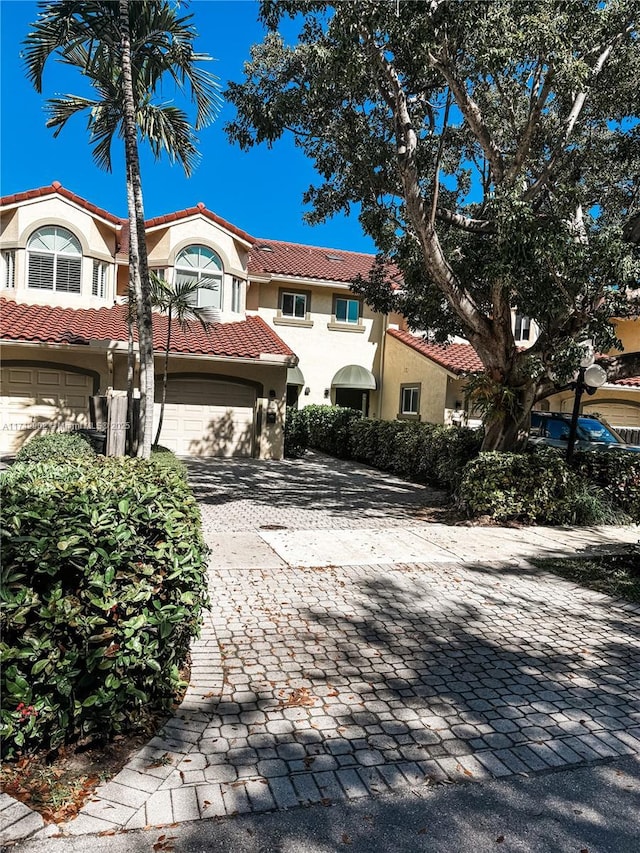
[9, 268]
[68, 275]
[41, 271]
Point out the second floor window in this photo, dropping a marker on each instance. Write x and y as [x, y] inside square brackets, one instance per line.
[294, 305]
[522, 329]
[347, 310]
[8, 267]
[99, 282]
[54, 260]
[236, 295]
[201, 265]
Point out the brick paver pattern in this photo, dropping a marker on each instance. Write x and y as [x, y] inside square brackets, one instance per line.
[324, 684]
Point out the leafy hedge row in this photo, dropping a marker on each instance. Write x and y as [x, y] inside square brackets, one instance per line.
[103, 584]
[56, 445]
[538, 487]
[426, 453]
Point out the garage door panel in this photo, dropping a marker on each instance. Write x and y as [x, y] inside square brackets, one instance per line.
[617, 414]
[49, 396]
[207, 418]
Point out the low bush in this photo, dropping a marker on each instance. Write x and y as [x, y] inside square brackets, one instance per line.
[56, 446]
[103, 584]
[167, 460]
[532, 487]
[329, 428]
[616, 474]
[296, 433]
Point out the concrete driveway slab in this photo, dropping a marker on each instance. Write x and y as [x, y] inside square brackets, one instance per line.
[241, 551]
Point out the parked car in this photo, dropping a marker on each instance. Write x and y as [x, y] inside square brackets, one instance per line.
[552, 429]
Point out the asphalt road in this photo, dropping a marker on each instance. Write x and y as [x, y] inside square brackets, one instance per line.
[594, 808]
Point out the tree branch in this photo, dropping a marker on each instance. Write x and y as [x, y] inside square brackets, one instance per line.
[473, 116]
[572, 118]
[537, 104]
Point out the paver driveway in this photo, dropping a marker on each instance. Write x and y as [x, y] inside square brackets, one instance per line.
[320, 683]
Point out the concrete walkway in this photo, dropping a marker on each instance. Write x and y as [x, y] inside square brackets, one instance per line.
[354, 650]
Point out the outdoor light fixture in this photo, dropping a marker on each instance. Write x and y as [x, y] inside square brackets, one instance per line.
[327, 392]
[307, 391]
[588, 379]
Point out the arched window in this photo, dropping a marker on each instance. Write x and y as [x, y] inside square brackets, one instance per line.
[54, 260]
[200, 265]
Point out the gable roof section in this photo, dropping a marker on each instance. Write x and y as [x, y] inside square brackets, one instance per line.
[56, 188]
[277, 257]
[199, 209]
[456, 358]
[250, 338]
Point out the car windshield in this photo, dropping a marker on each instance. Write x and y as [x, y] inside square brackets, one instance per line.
[589, 429]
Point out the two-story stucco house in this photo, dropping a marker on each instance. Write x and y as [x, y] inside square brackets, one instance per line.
[287, 330]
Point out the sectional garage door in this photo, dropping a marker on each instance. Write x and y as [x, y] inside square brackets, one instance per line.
[204, 417]
[51, 396]
[617, 414]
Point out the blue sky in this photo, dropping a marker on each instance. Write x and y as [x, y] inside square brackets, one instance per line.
[259, 191]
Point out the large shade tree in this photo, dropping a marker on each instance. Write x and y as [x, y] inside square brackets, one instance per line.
[493, 153]
[126, 50]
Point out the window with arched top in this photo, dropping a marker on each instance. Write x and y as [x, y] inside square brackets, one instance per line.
[202, 268]
[54, 260]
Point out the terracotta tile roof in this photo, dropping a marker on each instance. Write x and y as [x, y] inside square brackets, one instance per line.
[294, 259]
[200, 209]
[57, 188]
[458, 358]
[629, 382]
[248, 338]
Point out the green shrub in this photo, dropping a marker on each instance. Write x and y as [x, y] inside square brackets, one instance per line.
[616, 474]
[329, 428]
[56, 445]
[167, 460]
[296, 434]
[103, 584]
[531, 487]
[426, 453]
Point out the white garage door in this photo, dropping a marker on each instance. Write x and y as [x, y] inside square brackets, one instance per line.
[54, 398]
[207, 418]
[617, 414]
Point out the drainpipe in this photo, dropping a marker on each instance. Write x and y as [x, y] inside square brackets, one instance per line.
[385, 323]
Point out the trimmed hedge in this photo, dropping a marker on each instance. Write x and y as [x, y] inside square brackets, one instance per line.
[56, 445]
[533, 487]
[296, 434]
[103, 584]
[617, 474]
[329, 427]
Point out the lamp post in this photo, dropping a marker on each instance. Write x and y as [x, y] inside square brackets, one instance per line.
[589, 378]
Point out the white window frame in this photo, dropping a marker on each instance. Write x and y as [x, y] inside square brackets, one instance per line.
[100, 279]
[8, 273]
[58, 259]
[347, 299]
[410, 407]
[236, 295]
[203, 273]
[522, 324]
[295, 296]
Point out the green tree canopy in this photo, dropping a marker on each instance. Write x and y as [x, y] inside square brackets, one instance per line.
[492, 149]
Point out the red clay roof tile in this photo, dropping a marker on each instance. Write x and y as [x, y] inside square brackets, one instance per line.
[277, 257]
[629, 382]
[458, 358]
[248, 338]
[54, 189]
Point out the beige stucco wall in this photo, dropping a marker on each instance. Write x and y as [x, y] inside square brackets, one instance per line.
[628, 330]
[322, 351]
[97, 238]
[404, 366]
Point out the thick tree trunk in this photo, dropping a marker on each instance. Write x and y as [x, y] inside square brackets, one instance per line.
[507, 428]
[138, 264]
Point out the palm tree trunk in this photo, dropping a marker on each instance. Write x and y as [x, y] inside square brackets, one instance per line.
[131, 366]
[165, 377]
[138, 264]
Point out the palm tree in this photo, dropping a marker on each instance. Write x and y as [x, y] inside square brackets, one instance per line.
[125, 50]
[177, 299]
